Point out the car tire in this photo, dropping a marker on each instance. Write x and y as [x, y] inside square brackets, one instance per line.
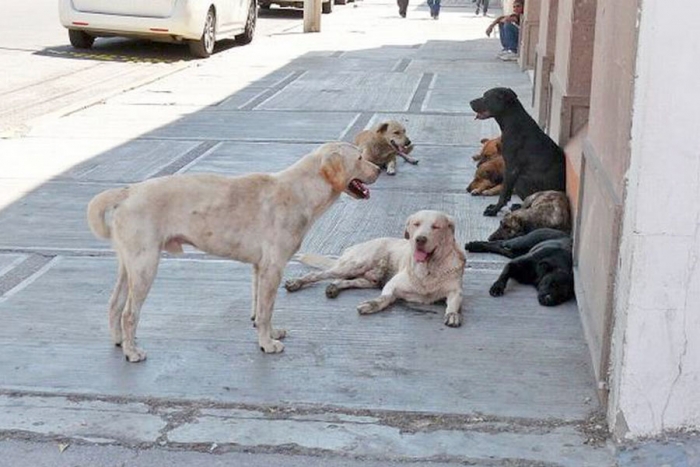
[250, 22]
[204, 47]
[80, 39]
[327, 7]
[341, 2]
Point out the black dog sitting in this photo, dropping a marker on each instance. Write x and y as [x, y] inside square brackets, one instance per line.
[533, 161]
[541, 258]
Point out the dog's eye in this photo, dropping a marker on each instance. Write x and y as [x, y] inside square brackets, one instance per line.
[435, 227]
[416, 224]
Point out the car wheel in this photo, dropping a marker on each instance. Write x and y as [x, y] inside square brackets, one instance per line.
[327, 7]
[341, 2]
[80, 39]
[250, 22]
[204, 47]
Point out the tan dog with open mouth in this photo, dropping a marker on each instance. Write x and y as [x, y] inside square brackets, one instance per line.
[259, 219]
[424, 267]
[384, 142]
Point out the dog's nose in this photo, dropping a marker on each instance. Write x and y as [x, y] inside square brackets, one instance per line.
[546, 300]
[421, 239]
[408, 142]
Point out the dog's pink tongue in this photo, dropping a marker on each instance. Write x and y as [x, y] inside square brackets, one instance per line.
[420, 256]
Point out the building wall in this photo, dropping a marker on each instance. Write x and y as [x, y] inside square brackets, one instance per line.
[655, 360]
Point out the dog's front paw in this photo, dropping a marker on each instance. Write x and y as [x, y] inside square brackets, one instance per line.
[497, 289]
[292, 285]
[453, 320]
[515, 206]
[391, 171]
[271, 346]
[475, 247]
[332, 291]
[491, 210]
[132, 353]
[368, 307]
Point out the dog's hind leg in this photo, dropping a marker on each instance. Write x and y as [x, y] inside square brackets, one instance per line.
[141, 269]
[116, 305]
[341, 269]
[292, 285]
[268, 280]
[334, 288]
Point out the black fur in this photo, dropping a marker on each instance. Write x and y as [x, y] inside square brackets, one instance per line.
[541, 258]
[534, 162]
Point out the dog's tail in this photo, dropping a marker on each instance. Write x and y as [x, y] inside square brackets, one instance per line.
[98, 207]
[316, 261]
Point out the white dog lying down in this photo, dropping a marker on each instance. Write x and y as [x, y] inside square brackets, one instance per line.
[259, 219]
[425, 267]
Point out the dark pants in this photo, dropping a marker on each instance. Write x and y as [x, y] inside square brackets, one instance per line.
[434, 8]
[403, 6]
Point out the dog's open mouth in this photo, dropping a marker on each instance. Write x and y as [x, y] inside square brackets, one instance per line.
[421, 256]
[358, 189]
[400, 149]
[483, 115]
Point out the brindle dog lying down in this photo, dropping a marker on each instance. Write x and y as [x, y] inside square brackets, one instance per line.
[541, 258]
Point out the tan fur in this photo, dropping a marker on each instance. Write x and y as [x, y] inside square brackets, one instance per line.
[259, 219]
[380, 145]
[391, 264]
[488, 178]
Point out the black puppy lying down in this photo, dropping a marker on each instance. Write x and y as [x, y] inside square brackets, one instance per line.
[541, 258]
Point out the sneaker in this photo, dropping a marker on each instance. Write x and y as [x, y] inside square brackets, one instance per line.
[508, 56]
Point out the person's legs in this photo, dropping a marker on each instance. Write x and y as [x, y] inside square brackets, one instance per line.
[509, 35]
[436, 9]
[403, 6]
[485, 5]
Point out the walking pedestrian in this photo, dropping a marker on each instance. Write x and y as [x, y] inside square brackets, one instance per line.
[434, 8]
[482, 5]
[403, 6]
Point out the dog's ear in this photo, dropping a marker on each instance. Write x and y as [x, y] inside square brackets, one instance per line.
[383, 127]
[451, 223]
[544, 266]
[406, 233]
[484, 140]
[333, 171]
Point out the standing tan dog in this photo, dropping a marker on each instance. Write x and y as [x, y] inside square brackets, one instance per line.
[383, 142]
[424, 267]
[259, 219]
[488, 178]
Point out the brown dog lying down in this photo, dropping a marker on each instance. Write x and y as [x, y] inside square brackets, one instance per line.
[542, 209]
[384, 142]
[425, 267]
[488, 178]
[259, 219]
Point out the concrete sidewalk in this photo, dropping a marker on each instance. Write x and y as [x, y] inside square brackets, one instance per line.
[512, 386]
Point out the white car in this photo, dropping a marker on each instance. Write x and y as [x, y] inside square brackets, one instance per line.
[199, 23]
